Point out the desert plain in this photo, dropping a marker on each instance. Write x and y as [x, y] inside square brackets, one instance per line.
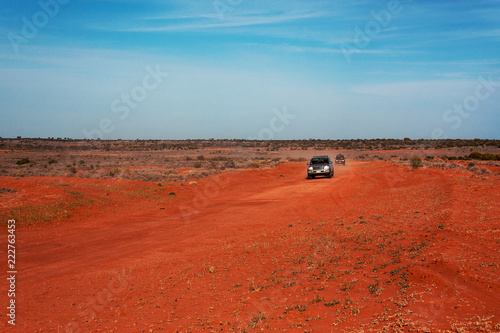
[229, 235]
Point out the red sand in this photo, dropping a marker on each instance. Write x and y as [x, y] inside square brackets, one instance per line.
[377, 248]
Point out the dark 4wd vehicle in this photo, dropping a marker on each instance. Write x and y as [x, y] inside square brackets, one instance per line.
[340, 159]
[320, 166]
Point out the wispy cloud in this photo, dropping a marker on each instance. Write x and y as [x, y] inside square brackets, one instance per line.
[228, 72]
[208, 22]
[336, 50]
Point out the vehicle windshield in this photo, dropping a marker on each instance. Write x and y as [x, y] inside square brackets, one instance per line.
[319, 161]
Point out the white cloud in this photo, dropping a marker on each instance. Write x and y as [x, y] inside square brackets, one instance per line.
[203, 23]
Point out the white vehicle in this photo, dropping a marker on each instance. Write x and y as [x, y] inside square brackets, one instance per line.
[320, 166]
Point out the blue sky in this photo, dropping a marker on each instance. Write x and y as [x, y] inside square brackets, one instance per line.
[250, 69]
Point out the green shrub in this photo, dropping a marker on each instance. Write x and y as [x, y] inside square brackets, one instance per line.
[416, 162]
[24, 161]
[484, 157]
[475, 155]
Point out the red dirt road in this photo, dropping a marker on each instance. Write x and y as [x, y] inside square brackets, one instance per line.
[377, 248]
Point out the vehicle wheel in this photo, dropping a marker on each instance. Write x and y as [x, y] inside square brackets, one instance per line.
[312, 177]
[308, 177]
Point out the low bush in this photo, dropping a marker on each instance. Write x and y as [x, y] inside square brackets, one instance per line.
[475, 155]
[416, 163]
[24, 161]
[255, 164]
